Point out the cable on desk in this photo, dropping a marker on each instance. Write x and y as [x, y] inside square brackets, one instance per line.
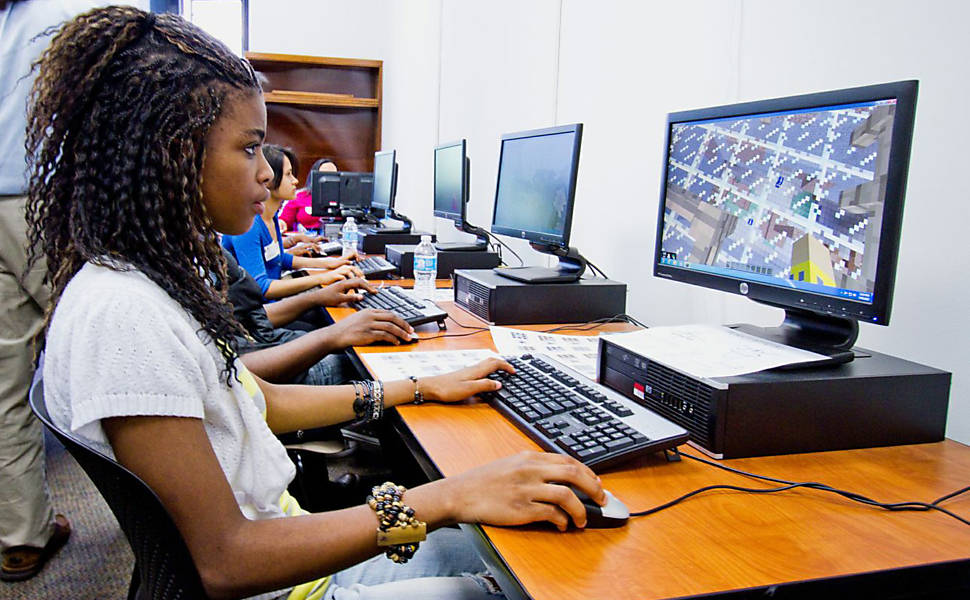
[460, 324]
[467, 333]
[588, 325]
[952, 495]
[789, 485]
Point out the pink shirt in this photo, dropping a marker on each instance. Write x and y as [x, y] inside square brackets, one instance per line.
[297, 210]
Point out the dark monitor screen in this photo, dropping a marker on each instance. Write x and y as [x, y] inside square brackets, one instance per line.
[795, 202]
[325, 192]
[355, 189]
[537, 184]
[450, 192]
[385, 175]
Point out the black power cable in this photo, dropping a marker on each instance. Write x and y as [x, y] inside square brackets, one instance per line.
[789, 485]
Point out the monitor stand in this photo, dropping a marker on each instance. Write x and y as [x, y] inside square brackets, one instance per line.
[479, 245]
[830, 336]
[572, 265]
[380, 228]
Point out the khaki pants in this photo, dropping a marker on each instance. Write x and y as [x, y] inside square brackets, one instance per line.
[25, 509]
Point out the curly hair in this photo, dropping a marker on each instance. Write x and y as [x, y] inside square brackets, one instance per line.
[116, 128]
[274, 154]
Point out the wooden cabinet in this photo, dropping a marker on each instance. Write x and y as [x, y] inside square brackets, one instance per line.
[323, 107]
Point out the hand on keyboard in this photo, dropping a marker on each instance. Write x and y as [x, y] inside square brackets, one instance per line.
[332, 276]
[342, 292]
[464, 383]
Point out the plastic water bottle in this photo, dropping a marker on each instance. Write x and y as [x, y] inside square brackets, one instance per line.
[348, 237]
[425, 268]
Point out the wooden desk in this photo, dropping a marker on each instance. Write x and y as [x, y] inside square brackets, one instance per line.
[720, 543]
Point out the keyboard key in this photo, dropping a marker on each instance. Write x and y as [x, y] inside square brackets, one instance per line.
[622, 442]
[591, 452]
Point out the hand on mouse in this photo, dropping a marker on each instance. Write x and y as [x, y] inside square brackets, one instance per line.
[518, 489]
[368, 326]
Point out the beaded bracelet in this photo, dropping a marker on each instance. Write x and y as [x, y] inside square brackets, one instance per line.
[368, 400]
[360, 404]
[398, 529]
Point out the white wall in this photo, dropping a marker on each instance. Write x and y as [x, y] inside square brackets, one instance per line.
[476, 70]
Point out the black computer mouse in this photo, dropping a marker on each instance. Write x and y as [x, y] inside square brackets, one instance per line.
[614, 514]
[412, 339]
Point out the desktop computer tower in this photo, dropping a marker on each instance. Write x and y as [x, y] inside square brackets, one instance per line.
[375, 243]
[448, 260]
[874, 400]
[503, 301]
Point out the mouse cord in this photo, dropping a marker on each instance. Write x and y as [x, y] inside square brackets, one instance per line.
[788, 485]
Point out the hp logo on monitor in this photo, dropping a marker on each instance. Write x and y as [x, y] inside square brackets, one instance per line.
[743, 288]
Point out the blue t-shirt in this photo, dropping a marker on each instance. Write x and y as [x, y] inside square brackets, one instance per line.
[258, 253]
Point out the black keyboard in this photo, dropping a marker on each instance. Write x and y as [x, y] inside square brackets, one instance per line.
[564, 412]
[396, 300]
[374, 266]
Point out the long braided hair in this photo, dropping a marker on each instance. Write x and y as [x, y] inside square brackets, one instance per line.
[116, 126]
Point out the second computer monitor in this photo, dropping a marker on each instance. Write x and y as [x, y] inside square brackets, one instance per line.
[385, 181]
[450, 182]
[537, 184]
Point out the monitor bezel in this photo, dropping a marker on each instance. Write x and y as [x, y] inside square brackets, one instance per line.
[459, 218]
[536, 237]
[390, 202]
[905, 93]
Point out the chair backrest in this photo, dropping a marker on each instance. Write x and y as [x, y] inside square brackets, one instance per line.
[163, 566]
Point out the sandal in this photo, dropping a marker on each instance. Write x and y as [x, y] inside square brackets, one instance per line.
[23, 562]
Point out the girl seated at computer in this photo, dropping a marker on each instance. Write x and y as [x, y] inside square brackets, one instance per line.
[260, 250]
[296, 212]
[184, 118]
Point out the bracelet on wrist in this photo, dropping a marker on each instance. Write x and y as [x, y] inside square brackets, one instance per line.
[418, 396]
[397, 528]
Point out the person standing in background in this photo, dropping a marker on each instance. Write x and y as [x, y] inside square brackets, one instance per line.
[30, 532]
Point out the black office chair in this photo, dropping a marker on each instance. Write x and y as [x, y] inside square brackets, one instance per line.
[163, 566]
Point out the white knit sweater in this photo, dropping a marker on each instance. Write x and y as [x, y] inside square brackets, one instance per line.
[119, 345]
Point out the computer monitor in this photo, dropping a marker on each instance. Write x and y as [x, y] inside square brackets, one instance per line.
[534, 198]
[794, 202]
[356, 189]
[385, 191]
[452, 176]
[325, 194]
[385, 180]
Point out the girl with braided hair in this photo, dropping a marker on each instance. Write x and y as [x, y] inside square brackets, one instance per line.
[149, 119]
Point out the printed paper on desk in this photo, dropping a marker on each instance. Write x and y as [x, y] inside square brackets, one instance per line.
[711, 350]
[578, 352]
[440, 294]
[389, 366]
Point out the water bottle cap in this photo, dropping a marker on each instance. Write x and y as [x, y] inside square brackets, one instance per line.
[425, 238]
